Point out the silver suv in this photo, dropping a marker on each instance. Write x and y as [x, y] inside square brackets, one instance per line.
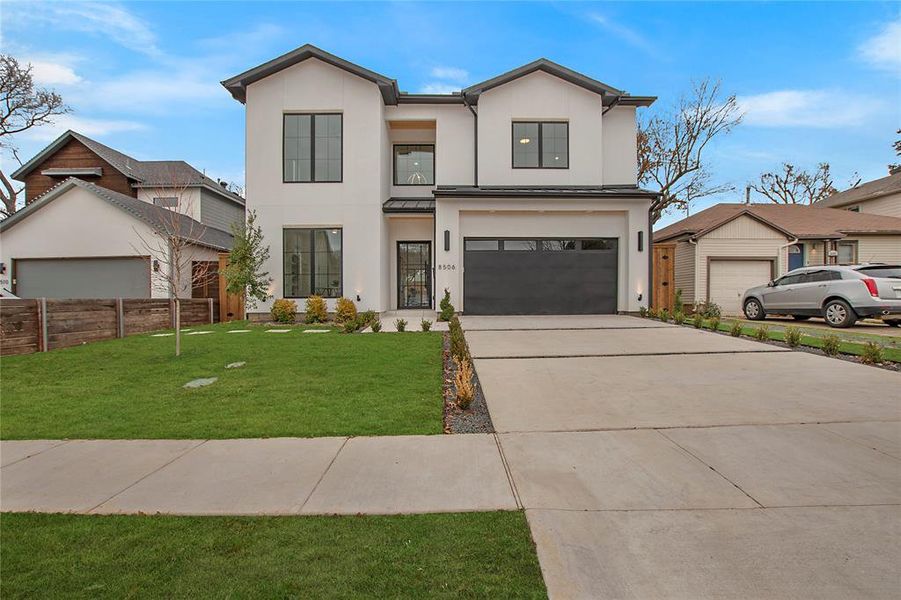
[839, 294]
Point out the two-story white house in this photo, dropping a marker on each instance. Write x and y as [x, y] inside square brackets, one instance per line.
[518, 194]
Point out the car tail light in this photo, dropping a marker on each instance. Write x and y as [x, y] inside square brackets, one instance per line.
[871, 287]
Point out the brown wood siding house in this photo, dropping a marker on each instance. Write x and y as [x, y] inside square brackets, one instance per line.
[74, 155]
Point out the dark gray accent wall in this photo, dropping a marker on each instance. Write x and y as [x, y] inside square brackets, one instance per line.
[61, 278]
[217, 212]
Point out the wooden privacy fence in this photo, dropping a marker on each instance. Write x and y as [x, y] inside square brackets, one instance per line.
[42, 324]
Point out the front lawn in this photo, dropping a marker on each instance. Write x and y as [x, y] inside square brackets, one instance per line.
[487, 555]
[294, 384]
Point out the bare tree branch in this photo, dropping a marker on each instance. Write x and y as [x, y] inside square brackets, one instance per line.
[796, 186]
[671, 146]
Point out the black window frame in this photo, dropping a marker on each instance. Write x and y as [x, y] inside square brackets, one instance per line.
[540, 125]
[312, 116]
[312, 251]
[394, 148]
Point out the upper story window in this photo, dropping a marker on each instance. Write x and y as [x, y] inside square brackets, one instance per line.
[540, 145]
[414, 164]
[312, 151]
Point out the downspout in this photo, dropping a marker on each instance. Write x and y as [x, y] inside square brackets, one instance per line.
[475, 141]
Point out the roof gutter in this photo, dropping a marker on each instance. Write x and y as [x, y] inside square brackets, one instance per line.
[475, 141]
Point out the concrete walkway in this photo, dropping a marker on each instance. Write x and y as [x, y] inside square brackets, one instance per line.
[277, 476]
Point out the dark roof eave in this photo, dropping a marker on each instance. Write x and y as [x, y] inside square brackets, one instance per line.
[558, 192]
[542, 64]
[237, 85]
[455, 98]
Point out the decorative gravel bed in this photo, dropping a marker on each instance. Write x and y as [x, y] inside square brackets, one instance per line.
[474, 419]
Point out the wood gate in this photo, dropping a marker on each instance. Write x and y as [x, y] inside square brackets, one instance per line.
[664, 274]
[231, 306]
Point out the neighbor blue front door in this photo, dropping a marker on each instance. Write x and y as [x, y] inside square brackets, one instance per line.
[795, 256]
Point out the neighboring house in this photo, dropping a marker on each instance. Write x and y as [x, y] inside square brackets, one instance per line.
[880, 197]
[518, 194]
[90, 214]
[722, 251]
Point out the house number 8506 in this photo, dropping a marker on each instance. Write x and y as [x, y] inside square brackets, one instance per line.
[447, 267]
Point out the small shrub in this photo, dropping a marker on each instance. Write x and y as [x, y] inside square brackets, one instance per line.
[366, 318]
[463, 383]
[458, 348]
[425, 324]
[400, 324]
[447, 309]
[284, 310]
[652, 313]
[735, 330]
[713, 324]
[316, 310]
[345, 310]
[762, 333]
[663, 315]
[678, 317]
[709, 309]
[376, 326]
[793, 336]
[871, 354]
[642, 311]
[677, 301]
[831, 344]
[697, 320]
[350, 326]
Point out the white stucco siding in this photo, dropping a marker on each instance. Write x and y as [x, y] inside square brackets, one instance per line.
[545, 217]
[407, 229]
[78, 224]
[620, 146]
[540, 97]
[354, 204]
[878, 248]
[743, 237]
[453, 138]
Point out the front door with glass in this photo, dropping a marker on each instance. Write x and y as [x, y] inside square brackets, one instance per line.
[414, 274]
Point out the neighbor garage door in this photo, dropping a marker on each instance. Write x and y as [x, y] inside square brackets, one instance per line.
[82, 278]
[729, 279]
[539, 276]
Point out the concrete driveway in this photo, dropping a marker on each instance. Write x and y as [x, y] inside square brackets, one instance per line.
[655, 461]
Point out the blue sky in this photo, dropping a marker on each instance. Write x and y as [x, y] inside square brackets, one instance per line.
[818, 81]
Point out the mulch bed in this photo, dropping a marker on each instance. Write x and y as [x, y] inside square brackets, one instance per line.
[474, 419]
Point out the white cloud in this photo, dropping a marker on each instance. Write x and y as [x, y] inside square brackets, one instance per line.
[451, 74]
[151, 92]
[52, 73]
[884, 49]
[89, 127]
[439, 87]
[807, 108]
[109, 20]
[626, 34]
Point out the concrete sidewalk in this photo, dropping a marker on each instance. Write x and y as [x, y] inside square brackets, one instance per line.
[276, 476]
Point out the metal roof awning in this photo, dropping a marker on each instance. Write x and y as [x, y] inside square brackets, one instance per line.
[409, 206]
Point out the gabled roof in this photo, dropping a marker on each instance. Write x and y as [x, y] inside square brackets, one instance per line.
[153, 216]
[142, 173]
[237, 85]
[609, 93]
[793, 220]
[866, 191]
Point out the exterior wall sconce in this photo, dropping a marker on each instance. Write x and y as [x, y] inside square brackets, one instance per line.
[641, 241]
[639, 297]
[358, 294]
[156, 266]
[447, 240]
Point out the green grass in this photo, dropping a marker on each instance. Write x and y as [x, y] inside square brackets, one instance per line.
[485, 555]
[815, 340]
[294, 384]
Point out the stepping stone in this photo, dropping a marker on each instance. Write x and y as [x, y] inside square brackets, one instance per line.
[315, 330]
[236, 365]
[277, 330]
[161, 334]
[186, 329]
[239, 331]
[199, 332]
[203, 381]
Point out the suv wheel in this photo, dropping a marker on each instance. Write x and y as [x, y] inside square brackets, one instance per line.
[839, 314]
[753, 310]
[893, 323]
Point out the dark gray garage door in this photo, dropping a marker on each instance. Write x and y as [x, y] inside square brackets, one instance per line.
[82, 278]
[539, 276]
